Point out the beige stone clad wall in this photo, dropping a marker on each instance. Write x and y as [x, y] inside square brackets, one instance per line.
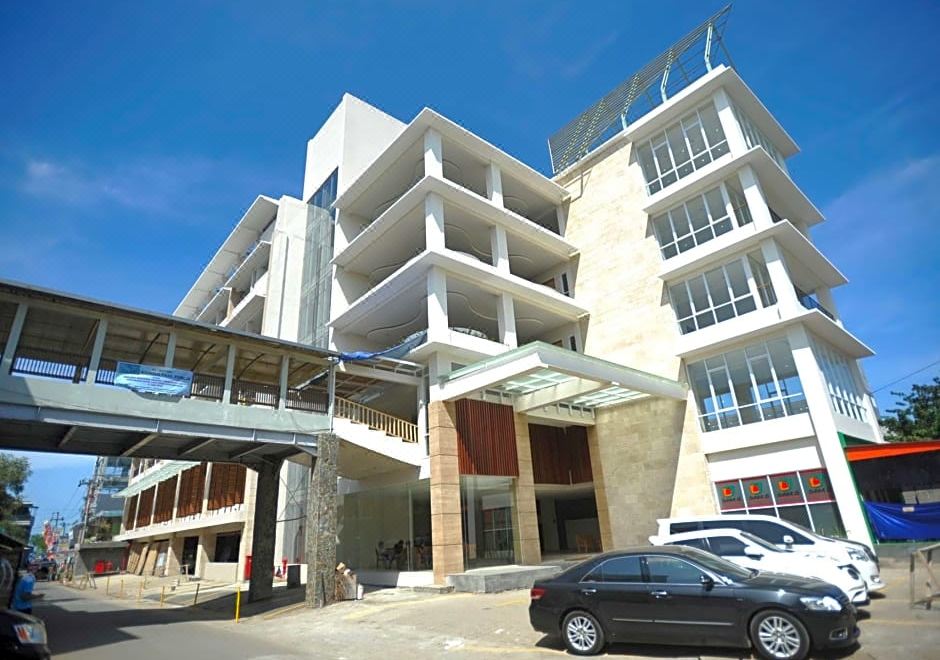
[646, 456]
[446, 532]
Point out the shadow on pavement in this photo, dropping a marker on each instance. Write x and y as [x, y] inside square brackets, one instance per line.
[662, 651]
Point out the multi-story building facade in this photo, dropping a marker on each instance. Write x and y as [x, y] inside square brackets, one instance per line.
[650, 331]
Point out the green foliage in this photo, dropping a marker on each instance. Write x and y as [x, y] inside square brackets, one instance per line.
[38, 541]
[14, 471]
[917, 416]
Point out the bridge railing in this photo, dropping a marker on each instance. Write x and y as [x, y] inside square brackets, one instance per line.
[375, 419]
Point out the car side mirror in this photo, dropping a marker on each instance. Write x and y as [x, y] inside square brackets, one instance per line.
[707, 582]
[787, 540]
[753, 553]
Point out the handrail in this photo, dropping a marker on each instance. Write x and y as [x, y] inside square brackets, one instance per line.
[375, 419]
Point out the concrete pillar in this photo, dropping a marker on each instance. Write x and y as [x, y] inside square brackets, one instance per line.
[422, 400]
[754, 196]
[787, 302]
[170, 350]
[229, 374]
[173, 553]
[433, 222]
[176, 494]
[506, 320]
[499, 247]
[262, 538]
[729, 124]
[203, 551]
[438, 324]
[9, 349]
[600, 491]
[561, 215]
[205, 489]
[320, 527]
[827, 435]
[433, 154]
[97, 348]
[446, 531]
[526, 529]
[282, 382]
[494, 184]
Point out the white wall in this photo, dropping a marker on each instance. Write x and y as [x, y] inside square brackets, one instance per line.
[285, 271]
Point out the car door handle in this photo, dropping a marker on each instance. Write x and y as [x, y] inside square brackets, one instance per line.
[659, 594]
[588, 592]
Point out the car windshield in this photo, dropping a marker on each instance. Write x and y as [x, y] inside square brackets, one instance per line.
[756, 540]
[718, 565]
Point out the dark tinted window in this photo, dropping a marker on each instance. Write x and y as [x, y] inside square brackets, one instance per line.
[727, 546]
[672, 571]
[619, 569]
[693, 543]
[680, 528]
[772, 531]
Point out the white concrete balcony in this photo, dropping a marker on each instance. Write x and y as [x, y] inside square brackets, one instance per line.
[398, 234]
[397, 306]
[455, 154]
[246, 313]
[765, 322]
[757, 434]
[807, 265]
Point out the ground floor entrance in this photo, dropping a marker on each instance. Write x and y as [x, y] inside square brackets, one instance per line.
[567, 519]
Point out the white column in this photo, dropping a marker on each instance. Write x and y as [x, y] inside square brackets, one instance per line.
[827, 436]
[561, 214]
[170, 350]
[433, 222]
[423, 412]
[494, 184]
[754, 195]
[176, 496]
[205, 489]
[438, 367]
[282, 383]
[787, 302]
[506, 320]
[229, 375]
[433, 154]
[499, 248]
[16, 329]
[729, 124]
[438, 325]
[101, 332]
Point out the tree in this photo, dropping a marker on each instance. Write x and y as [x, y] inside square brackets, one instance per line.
[38, 541]
[917, 416]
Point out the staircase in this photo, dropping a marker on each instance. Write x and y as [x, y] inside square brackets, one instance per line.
[377, 431]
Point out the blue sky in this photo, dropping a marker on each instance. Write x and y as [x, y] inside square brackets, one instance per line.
[134, 135]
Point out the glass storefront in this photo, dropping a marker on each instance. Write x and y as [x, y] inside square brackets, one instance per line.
[488, 516]
[386, 528]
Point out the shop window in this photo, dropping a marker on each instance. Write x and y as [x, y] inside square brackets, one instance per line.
[226, 547]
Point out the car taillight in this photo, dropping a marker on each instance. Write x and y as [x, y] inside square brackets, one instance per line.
[536, 593]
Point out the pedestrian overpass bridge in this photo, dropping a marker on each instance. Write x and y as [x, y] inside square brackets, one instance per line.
[237, 397]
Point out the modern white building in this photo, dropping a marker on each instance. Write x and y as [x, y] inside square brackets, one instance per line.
[650, 331]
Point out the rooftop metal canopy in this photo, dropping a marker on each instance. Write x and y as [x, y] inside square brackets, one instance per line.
[686, 60]
[539, 375]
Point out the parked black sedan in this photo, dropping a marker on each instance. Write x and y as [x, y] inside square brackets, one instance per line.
[682, 595]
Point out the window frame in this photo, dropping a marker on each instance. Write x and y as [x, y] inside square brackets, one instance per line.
[734, 300]
[736, 216]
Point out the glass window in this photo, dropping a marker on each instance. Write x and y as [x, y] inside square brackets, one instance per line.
[679, 528]
[845, 397]
[699, 220]
[317, 270]
[742, 387]
[727, 546]
[682, 148]
[717, 295]
[226, 548]
[694, 543]
[669, 570]
[826, 520]
[754, 137]
[618, 569]
[773, 532]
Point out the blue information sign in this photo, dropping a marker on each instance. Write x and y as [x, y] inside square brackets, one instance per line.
[151, 379]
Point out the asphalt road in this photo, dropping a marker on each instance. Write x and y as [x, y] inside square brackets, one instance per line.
[92, 627]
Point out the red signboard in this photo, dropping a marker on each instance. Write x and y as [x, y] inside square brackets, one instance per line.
[816, 485]
[729, 495]
[757, 492]
[786, 488]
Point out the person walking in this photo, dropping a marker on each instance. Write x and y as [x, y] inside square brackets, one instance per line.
[23, 595]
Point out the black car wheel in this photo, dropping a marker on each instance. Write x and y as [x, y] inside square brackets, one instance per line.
[582, 633]
[777, 635]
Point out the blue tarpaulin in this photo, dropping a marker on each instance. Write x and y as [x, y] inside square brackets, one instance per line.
[396, 352]
[904, 522]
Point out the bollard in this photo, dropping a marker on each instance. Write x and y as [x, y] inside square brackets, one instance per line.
[196, 597]
[107, 586]
[238, 604]
[140, 590]
[122, 589]
[162, 595]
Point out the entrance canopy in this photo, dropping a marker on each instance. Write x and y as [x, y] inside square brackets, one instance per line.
[548, 381]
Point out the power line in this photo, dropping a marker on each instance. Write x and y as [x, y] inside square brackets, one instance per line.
[913, 373]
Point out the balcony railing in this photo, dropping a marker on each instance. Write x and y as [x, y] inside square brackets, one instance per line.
[249, 393]
[809, 302]
[50, 364]
[375, 419]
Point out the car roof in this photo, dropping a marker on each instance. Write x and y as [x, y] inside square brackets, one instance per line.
[723, 516]
[646, 550]
[701, 534]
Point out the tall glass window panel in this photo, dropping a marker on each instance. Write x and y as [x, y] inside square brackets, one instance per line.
[845, 396]
[317, 272]
[715, 296]
[700, 219]
[754, 137]
[765, 289]
[682, 148]
[755, 384]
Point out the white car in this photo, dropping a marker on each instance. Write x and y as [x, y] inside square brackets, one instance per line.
[749, 551]
[787, 536]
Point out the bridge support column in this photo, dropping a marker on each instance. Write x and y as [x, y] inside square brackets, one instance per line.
[262, 537]
[320, 547]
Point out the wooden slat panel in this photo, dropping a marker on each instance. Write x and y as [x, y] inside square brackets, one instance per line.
[560, 455]
[145, 507]
[486, 439]
[227, 485]
[130, 512]
[166, 493]
[192, 491]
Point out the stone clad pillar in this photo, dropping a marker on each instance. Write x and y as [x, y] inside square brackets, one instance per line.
[262, 538]
[320, 527]
[526, 532]
[446, 531]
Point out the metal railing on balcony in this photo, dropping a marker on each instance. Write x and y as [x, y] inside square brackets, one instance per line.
[50, 364]
[308, 400]
[375, 419]
[809, 302]
[248, 393]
